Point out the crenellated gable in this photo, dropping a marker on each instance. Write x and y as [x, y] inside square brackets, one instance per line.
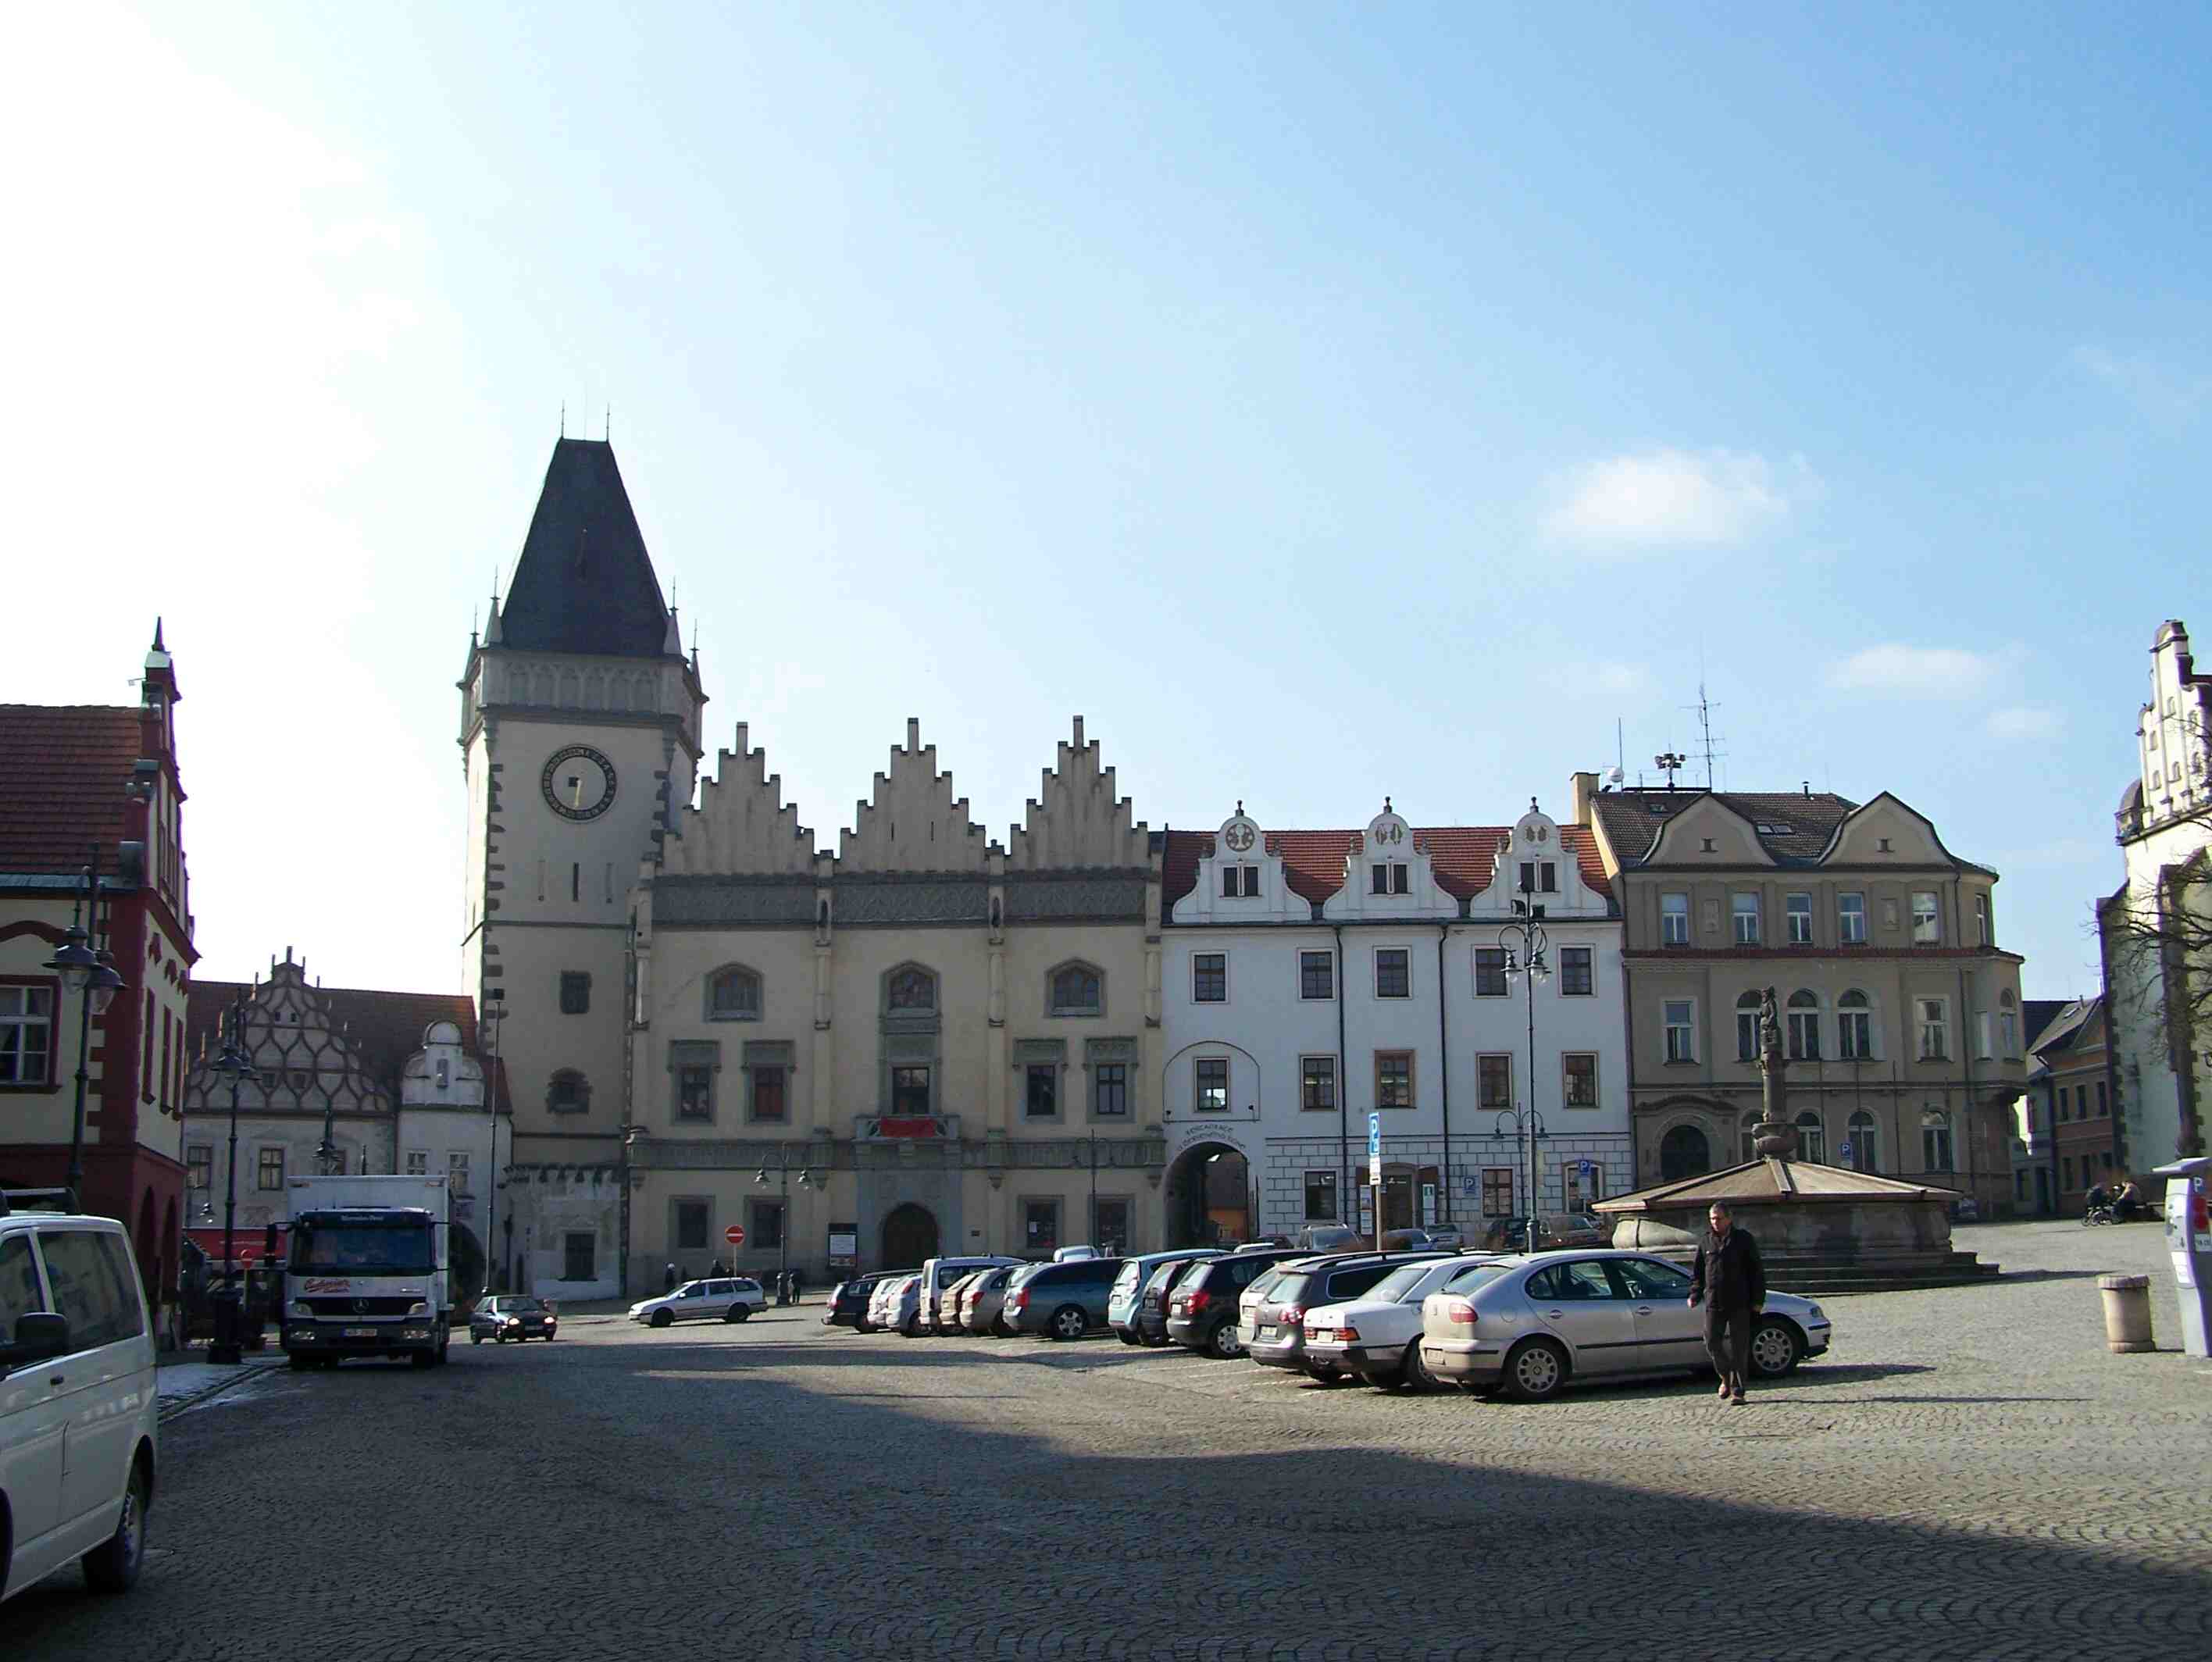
[914, 823]
[742, 824]
[1076, 821]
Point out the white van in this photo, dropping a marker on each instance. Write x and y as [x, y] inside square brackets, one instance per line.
[77, 1398]
[937, 1274]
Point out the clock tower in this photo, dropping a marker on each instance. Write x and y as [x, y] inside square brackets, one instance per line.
[580, 740]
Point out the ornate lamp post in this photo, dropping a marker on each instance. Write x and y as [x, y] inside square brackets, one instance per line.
[1527, 947]
[233, 1065]
[783, 1169]
[91, 976]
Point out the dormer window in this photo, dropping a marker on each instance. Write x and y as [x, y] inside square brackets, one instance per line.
[1539, 877]
[1239, 882]
[1389, 877]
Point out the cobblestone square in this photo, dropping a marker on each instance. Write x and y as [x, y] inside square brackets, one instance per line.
[1968, 1474]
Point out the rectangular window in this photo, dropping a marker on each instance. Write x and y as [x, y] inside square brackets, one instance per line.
[580, 1256]
[1494, 1081]
[1212, 1084]
[1489, 972]
[1209, 978]
[692, 1066]
[1394, 1079]
[1744, 908]
[1394, 973]
[457, 1172]
[691, 1225]
[1799, 910]
[1239, 882]
[1316, 975]
[1982, 919]
[2103, 1111]
[1673, 920]
[1110, 1227]
[1321, 1197]
[27, 1035]
[1547, 877]
[576, 992]
[1681, 1016]
[2066, 1171]
[909, 1092]
[1497, 1191]
[1577, 978]
[1317, 1085]
[1581, 1081]
[1040, 1227]
[1388, 879]
[2061, 1104]
[770, 1100]
[1109, 1090]
[766, 1232]
[199, 1166]
[1934, 1028]
[1926, 929]
[1041, 1090]
[418, 1163]
[1746, 1029]
[1850, 919]
[1803, 1036]
[269, 1175]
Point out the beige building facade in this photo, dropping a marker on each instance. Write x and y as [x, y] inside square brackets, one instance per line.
[1901, 1013]
[952, 1041]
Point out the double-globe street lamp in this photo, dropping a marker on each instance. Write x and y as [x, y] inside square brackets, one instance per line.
[90, 974]
[1527, 961]
[780, 1172]
[233, 1065]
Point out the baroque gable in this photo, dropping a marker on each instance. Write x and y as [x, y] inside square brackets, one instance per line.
[1075, 821]
[742, 824]
[1407, 887]
[913, 823]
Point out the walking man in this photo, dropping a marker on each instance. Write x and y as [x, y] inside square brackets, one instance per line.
[1731, 1284]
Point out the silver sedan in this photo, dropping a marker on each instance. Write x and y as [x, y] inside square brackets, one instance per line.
[1529, 1323]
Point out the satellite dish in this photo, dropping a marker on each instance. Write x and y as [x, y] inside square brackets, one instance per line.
[1615, 776]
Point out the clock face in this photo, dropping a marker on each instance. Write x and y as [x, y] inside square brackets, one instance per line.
[579, 783]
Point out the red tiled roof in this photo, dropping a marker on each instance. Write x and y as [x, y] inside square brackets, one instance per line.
[384, 1029]
[63, 768]
[1464, 857]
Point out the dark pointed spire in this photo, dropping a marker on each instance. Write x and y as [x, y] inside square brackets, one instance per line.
[585, 583]
[158, 647]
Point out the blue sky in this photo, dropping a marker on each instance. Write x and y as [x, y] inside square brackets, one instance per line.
[1322, 403]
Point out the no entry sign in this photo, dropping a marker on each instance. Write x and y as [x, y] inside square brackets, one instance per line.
[735, 1234]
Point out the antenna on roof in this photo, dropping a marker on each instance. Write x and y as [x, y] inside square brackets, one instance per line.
[607, 432]
[1620, 753]
[1704, 709]
[564, 418]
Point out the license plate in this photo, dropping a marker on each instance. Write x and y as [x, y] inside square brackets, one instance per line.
[360, 1332]
[1263, 1333]
[1321, 1335]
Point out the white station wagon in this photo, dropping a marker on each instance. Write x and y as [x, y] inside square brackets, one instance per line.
[720, 1298]
[78, 1405]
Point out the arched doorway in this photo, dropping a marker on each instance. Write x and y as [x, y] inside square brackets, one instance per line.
[1684, 1152]
[1209, 1197]
[910, 1237]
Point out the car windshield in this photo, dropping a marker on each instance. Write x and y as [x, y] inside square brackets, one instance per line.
[1399, 1282]
[1474, 1276]
[361, 1249]
[1268, 1281]
[1126, 1282]
[519, 1305]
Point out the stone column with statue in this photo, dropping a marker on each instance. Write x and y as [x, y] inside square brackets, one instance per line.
[1774, 1137]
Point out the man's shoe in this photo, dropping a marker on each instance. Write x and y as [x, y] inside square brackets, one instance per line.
[1724, 1391]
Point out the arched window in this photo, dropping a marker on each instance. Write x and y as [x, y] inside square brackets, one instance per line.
[911, 988]
[1811, 1138]
[1076, 989]
[1855, 1027]
[1865, 1138]
[1747, 1027]
[1934, 1140]
[733, 994]
[2007, 1024]
[570, 1092]
[1804, 1019]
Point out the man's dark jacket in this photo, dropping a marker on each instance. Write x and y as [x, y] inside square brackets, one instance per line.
[1729, 1276]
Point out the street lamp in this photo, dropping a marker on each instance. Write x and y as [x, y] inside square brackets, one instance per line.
[783, 1169]
[233, 1065]
[493, 1010]
[1527, 947]
[91, 976]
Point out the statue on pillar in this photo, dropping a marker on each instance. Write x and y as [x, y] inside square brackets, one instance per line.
[1774, 1137]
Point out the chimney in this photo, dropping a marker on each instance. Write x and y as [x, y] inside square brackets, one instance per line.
[1809, 787]
[1582, 790]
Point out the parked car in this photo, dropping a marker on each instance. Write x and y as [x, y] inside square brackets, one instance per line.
[1150, 1320]
[1272, 1312]
[1128, 1288]
[848, 1301]
[1532, 1323]
[982, 1299]
[720, 1298]
[511, 1316]
[1061, 1300]
[1329, 1238]
[936, 1275]
[1377, 1335]
[948, 1305]
[1406, 1241]
[882, 1300]
[1447, 1238]
[1069, 1254]
[1202, 1308]
[900, 1297]
[76, 1352]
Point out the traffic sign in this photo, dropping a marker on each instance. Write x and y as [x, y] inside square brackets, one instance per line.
[735, 1234]
[1466, 1185]
[1584, 1167]
[1843, 1151]
[1374, 1135]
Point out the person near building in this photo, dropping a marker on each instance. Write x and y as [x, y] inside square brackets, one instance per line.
[668, 1281]
[1731, 1284]
[716, 1269]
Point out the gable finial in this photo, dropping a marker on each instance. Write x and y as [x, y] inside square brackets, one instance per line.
[158, 647]
[1240, 804]
[1386, 806]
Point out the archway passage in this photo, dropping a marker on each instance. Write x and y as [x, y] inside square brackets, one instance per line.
[465, 1264]
[1684, 1152]
[910, 1237]
[1209, 1197]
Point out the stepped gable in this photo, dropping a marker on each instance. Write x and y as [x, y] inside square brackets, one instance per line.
[742, 824]
[1076, 821]
[914, 823]
[584, 582]
[1464, 858]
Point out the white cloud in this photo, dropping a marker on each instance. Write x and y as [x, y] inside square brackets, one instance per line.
[1668, 497]
[2024, 721]
[2154, 386]
[1895, 667]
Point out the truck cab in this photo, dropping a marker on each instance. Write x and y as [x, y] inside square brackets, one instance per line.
[366, 1270]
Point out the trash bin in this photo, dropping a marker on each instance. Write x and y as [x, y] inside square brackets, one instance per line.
[2127, 1313]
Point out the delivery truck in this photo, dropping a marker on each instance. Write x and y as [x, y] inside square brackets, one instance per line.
[366, 1270]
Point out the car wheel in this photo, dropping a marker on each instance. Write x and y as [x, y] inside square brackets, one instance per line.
[1536, 1372]
[476, 1339]
[423, 1359]
[1069, 1322]
[500, 1337]
[1775, 1347]
[1125, 1336]
[1150, 1343]
[735, 1312]
[1225, 1342]
[113, 1565]
[1416, 1376]
[661, 1318]
[745, 1312]
[862, 1324]
[911, 1328]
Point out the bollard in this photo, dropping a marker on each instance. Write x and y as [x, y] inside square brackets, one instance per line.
[2127, 1313]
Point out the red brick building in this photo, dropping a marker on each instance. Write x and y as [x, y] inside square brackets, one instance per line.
[79, 783]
